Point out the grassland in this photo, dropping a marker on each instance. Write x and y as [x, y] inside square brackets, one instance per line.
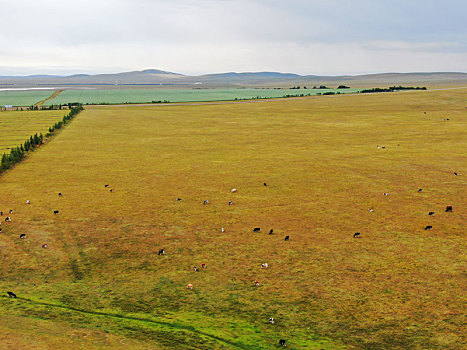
[23, 98]
[126, 95]
[100, 282]
[17, 126]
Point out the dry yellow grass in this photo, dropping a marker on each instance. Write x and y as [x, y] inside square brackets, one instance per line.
[17, 126]
[396, 287]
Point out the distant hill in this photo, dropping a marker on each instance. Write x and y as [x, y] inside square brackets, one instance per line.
[233, 79]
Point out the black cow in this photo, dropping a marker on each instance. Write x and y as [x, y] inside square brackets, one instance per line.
[179, 199]
[11, 211]
[449, 209]
[205, 202]
[1, 213]
[11, 294]
[257, 229]
[286, 238]
[162, 251]
[420, 189]
[356, 235]
[0, 230]
[60, 194]
[265, 184]
[230, 203]
[455, 174]
[56, 211]
[271, 231]
[431, 213]
[282, 342]
[106, 185]
[428, 228]
[8, 218]
[23, 235]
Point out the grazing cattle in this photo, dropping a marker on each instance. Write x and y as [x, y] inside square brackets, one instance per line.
[233, 190]
[111, 190]
[424, 112]
[60, 194]
[1, 213]
[287, 238]
[203, 265]
[222, 229]
[11, 294]
[230, 203]
[356, 235]
[205, 202]
[449, 209]
[106, 185]
[265, 184]
[371, 210]
[455, 174]
[256, 283]
[22, 235]
[271, 231]
[28, 201]
[271, 320]
[179, 199]
[385, 194]
[196, 269]
[11, 211]
[282, 342]
[44, 245]
[428, 228]
[8, 218]
[257, 229]
[161, 251]
[420, 189]
[56, 211]
[189, 286]
[0, 230]
[431, 213]
[264, 265]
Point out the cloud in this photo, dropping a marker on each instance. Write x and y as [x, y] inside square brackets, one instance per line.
[303, 36]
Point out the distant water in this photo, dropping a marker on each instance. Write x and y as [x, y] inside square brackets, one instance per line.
[26, 89]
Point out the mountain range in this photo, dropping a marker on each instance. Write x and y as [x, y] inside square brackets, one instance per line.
[156, 77]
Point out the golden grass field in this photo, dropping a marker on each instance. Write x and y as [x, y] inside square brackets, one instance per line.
[100, 283]
[17, 126]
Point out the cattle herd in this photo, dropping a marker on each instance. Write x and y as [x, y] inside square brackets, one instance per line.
[160, 252]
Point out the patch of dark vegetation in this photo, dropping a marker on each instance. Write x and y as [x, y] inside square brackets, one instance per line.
[18, 153]
[393, 88]
[75, 270]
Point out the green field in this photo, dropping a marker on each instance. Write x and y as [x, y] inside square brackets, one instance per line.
[118, 96]
[101, 284]
[17, 126]
[23, 98]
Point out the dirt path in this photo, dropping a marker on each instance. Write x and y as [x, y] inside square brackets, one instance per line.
[55, 94]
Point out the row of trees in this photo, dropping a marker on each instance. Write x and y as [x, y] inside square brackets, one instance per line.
[18, 153]
[393, 88]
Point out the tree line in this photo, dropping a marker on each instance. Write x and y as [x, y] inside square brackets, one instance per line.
[18, 153]
[393, 88]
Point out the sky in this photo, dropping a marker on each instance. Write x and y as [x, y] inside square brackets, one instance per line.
[194, 37]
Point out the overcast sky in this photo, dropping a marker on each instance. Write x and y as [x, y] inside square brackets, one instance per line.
[326, 37]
